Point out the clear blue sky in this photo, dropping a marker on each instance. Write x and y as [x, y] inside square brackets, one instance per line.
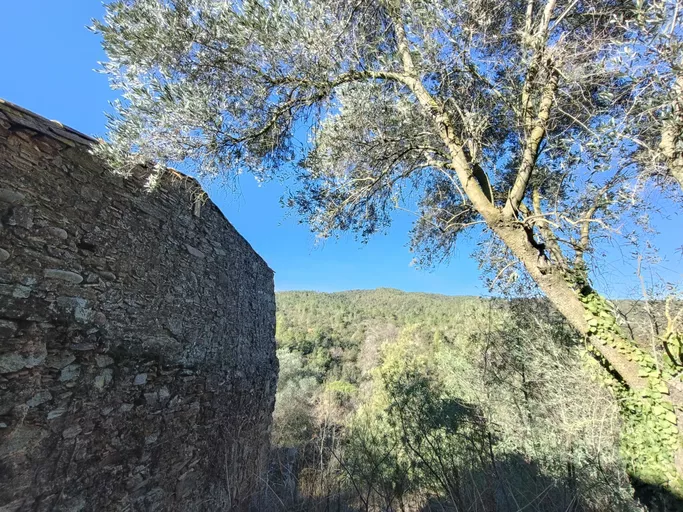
[47, 62]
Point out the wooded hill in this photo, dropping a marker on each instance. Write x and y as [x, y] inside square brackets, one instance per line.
[408, 401]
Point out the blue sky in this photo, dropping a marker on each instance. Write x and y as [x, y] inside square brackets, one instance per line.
[47, 62]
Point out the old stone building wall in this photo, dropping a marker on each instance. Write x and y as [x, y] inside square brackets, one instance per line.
[137, 351]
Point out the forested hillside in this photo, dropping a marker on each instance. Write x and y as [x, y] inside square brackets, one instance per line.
[407, 401]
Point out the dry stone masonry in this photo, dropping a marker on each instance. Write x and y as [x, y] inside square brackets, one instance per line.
[137, 350]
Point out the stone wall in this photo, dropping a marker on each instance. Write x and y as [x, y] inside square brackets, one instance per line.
[137, 350]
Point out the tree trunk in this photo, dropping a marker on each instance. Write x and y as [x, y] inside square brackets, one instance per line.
[566, 300]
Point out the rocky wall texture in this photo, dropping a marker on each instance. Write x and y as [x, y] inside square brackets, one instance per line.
[137, 350]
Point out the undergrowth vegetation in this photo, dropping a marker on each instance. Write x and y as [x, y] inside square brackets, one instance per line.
[414, 402]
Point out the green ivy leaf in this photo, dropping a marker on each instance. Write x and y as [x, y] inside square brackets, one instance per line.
[664, 389]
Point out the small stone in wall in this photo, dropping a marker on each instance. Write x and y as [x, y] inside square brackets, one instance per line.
[140, 379]
[55, 413]
[10, 196]
[21, 217]
[77, 504]
[104, 378]
[165, 347]
[77, 306]
[59, 361]
[164, 394]
[63, 275]
[103, 361]
[99, 319]
[29, 281]
[4, 255]
[39, 398]
[91, 193]
[24, 437]
[21, 292]
[152, 399]
[70, 373]
[10, 363]
[108, 276]
[71, 432]
[82, 347]
[7, 328]
[152, 438]
[194, 252]
[14, 362]
[58, 233]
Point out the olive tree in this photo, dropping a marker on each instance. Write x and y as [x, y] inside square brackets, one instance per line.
[513, 120]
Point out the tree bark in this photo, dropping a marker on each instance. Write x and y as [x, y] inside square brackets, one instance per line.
[566, 300]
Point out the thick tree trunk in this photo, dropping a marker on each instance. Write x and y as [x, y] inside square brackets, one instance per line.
[566, 300]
